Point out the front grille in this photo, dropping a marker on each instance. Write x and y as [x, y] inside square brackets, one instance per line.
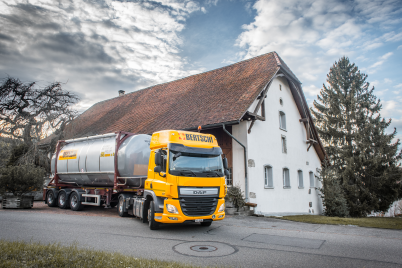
[198, 206]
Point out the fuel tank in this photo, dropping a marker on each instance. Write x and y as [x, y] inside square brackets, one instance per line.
[91, 161]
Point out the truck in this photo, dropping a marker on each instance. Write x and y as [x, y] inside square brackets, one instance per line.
[171, 176]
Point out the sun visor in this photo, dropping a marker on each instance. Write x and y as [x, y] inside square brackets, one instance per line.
[194, 150]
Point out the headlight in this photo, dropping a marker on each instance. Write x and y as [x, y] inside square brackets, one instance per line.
[172, 209]
[221, 208]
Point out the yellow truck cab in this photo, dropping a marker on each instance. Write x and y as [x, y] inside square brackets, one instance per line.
[186, 179]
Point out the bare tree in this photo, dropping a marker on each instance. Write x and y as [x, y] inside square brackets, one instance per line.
[30, 113]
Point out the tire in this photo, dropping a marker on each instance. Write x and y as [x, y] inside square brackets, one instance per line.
[120, 208]
[153, 225]
[206, 224]
[62, 200]
[51, 199]
[75, 202]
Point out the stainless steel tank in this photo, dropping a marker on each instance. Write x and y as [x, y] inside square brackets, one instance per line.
[90, 161]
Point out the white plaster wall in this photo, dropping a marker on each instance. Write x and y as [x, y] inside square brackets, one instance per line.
[264, 147]
[240, 133]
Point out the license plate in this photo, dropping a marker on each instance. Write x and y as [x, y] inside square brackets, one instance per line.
[199, 220]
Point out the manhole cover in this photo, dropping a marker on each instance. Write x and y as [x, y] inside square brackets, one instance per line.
[204, 249]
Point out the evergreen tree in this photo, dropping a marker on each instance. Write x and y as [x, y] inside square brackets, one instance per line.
[347, 116]
[333, 196]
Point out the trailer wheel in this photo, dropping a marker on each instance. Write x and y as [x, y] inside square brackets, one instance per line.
[153, 225]
[206, 224]
[120, 207]
[75, 202]
[51, 199]
[62, 200]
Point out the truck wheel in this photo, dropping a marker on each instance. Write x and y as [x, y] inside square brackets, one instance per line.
[75, 202]
[206, 224]
[153, 225]
[62, 200]
[120, 208]
[51, 199]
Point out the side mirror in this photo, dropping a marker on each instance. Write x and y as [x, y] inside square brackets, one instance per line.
[225, 163]
[227, 174]
[158, 169]
[158, 158]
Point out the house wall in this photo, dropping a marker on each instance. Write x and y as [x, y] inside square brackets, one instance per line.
[265, 148]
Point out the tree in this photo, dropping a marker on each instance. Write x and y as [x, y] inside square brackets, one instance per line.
[29, 113]
[334, 201]
[347, 116]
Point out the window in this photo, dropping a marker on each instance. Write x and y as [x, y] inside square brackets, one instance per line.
[284, 147]
[280, 101]
[280, 87]
[229, 180]
[269, 181]
[300, 178]
[282, 120]
[286, 178]
[311, 179]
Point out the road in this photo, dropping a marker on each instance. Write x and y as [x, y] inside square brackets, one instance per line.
[234, 242]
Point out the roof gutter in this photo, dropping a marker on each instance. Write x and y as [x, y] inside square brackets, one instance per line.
[245, 160]
[213, 125]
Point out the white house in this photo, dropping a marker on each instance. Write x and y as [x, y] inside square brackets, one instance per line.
[257, 110]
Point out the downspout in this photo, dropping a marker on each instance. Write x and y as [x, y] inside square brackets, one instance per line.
[245, 159]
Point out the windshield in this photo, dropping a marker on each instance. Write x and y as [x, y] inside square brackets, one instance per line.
[195, 165]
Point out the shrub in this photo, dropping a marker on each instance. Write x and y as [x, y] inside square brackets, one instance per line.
[235, 195]
[20, 180]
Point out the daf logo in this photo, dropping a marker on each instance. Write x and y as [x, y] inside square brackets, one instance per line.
[199, 192]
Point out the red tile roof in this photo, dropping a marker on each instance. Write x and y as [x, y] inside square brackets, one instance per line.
[217, 96]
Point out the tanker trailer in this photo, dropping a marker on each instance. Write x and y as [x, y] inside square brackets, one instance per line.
[171, 177]
[98, 169]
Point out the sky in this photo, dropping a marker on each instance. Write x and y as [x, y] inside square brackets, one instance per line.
[98, 47]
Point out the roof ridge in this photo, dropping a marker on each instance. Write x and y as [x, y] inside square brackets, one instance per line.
[233, 64]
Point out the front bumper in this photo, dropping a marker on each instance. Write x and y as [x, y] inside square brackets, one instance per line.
[167, 217]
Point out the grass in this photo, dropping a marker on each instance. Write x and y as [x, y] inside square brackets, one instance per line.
[22, 254]
[373, 222]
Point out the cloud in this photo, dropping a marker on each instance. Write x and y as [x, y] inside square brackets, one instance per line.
[311, 90]
[398, 86]
[310, 35]
[98, 47]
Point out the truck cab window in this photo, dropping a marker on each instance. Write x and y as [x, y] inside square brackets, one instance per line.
[195, 165]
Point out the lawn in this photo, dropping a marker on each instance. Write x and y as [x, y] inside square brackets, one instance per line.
[374, 222]
[21, 254]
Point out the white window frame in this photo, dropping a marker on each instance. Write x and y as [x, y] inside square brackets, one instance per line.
[266, 179]
[300, 179]
[284, 144]
[286, 179]
[282, 120]
[312, 179]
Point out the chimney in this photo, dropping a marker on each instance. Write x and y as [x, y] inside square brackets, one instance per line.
[121, 92]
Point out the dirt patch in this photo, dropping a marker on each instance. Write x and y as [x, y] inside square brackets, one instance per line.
[41, 207]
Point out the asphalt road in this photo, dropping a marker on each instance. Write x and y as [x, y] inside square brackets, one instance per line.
[234, 242]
